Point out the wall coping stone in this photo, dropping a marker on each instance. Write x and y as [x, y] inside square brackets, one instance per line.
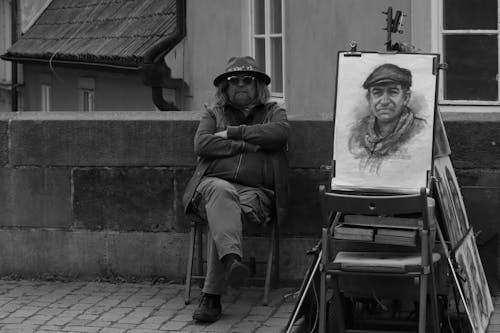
[166, 139]
[471, 116]
[103, 116]
[493, 116]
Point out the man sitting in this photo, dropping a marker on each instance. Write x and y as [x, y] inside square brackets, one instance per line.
[241, 173]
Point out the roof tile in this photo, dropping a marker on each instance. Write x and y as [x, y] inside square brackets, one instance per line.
[101, 31]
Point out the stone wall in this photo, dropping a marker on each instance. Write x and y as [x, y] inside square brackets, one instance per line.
[87, 195]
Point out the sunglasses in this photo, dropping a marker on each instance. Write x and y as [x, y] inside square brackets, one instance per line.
[235, 80]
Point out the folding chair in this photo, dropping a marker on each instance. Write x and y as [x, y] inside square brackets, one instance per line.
[198, 226]
[414, 263]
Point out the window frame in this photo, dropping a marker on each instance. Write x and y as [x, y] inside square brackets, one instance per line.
[87, 99]
[438, 9]
[275, 96]
[86, 91]
[5, 41]
[45, 97]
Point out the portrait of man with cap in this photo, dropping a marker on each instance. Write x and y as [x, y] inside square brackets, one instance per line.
[241, 174]
[390, 123]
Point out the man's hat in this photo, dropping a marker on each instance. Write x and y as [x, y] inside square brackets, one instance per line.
[388, 73]
[242, 65]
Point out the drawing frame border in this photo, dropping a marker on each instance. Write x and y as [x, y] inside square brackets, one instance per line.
[435, 58]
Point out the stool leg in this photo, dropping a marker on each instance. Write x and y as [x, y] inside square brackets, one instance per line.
[434, 303]
[276, 240]
[192, 236]
[423, 303]
[338, 304]
[201, 259]
[267, 284]
[322, 303]
[200, 250]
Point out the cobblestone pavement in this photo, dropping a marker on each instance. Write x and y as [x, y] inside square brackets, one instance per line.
[40, 306]
[37, 306]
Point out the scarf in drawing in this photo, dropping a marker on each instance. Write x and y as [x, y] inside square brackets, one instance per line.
[381, 146]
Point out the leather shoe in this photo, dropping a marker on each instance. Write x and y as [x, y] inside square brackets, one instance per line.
[237, 272]
[209, 310]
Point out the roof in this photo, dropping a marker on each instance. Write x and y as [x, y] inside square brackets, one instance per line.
[115, 32]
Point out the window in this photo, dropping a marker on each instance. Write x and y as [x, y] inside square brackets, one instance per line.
[469, 45]
[46, 97]
[5, 40]
[87, 100]
[87, 94]
[266, 31]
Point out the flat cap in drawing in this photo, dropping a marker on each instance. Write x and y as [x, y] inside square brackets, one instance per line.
[388, 73]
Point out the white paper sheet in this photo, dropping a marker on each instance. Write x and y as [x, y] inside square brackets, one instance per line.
[405, 169]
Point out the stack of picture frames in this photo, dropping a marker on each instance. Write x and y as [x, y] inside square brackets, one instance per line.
[467, 269]
[392, 140]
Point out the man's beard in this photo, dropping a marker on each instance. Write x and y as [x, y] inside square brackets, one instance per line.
[241, 99]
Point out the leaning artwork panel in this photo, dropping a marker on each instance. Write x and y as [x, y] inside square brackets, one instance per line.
[450, 201]
[473, 284]
[384, 120]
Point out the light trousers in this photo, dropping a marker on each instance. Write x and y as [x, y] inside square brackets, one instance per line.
[223, 202]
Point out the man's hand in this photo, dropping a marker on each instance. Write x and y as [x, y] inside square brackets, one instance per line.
[247, 146]
[222, 134]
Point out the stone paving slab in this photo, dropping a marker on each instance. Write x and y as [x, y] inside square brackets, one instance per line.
[97, 307]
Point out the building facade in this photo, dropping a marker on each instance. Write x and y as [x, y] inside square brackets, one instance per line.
[296, 43]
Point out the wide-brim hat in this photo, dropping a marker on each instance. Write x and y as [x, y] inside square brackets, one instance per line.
[242, 65]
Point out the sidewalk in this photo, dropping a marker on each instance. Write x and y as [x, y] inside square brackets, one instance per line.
[39, 306]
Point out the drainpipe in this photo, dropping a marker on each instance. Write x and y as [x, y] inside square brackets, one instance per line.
[154, 70]
[14, 38]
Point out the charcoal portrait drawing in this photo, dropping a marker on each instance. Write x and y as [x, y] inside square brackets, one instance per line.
[384, 120]
[390, 122]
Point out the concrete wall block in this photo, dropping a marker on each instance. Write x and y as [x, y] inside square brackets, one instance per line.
[4, 142]
[182, 176]
[27, 143]
[150, 199]
[130, 139]
[304, 211]
[478, 177]
[483, 208]
[102, 143]
[489, 253]
[35, 197]
[310, 144]
[474, 144]
[481, 192]
[147, 254]
[125, 199]
[39, 252]
[83, 254]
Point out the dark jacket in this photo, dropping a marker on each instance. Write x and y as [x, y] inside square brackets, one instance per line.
[267, 130]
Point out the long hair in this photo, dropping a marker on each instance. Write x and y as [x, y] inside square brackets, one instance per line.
[221, 98]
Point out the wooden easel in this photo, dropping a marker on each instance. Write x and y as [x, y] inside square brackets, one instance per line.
[441, 148]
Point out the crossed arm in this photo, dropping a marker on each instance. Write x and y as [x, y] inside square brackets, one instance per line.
[211, 143]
